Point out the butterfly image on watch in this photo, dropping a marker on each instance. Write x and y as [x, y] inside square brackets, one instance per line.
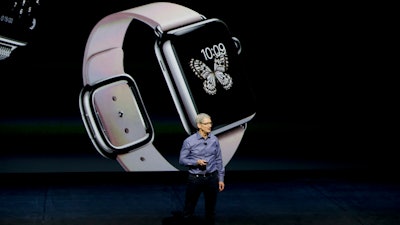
[211, 77]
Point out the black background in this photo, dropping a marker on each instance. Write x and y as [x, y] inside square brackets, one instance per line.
[318, 72]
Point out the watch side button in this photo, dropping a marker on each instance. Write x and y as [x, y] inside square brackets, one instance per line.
[162, 65]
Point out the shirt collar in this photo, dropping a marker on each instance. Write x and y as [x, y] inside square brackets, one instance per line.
[201, 137]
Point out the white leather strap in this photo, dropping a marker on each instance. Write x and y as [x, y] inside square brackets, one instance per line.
[145, 158]
[109, 32]
[229, 142]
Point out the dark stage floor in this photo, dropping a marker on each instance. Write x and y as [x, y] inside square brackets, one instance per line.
[268, 197]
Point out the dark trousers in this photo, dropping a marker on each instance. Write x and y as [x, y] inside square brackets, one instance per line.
[197, 184]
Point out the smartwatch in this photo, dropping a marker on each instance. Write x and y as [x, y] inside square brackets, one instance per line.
[199, 59]
[17, 22]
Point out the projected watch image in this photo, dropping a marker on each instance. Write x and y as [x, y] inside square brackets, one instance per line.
[199, 61]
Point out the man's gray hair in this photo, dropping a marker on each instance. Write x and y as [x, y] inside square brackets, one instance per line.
[201, 116]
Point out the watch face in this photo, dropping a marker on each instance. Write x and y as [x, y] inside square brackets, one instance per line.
[115, 116]
[203, 62]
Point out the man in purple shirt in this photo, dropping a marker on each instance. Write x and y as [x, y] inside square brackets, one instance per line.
[201, 154]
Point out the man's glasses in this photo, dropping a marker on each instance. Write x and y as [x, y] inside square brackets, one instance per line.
[209, 123]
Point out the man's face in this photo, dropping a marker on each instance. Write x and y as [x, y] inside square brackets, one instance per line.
[205, 125]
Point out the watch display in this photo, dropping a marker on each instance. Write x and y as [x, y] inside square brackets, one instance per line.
[205, 66]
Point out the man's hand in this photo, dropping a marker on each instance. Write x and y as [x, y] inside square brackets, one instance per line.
[201, 162]
[221, 186]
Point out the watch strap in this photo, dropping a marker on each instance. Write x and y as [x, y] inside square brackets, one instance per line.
[229, 141]
[145, 158]
[7, 46]
[109, 33]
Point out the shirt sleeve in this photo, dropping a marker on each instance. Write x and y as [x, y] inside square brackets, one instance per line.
[219, 164]
[185, 159]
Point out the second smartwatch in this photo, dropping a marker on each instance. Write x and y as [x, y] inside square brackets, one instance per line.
[17, 22]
